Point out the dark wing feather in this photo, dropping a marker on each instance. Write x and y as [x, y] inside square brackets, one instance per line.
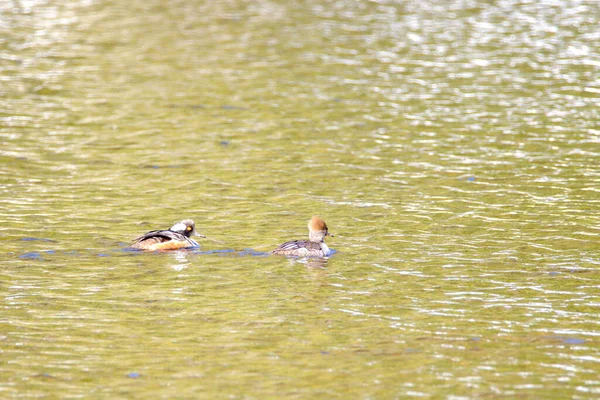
[160, 236]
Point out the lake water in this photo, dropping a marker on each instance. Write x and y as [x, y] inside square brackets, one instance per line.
[452, 147]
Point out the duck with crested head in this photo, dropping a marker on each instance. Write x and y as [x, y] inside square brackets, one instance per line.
[313, 247]
[174, 238]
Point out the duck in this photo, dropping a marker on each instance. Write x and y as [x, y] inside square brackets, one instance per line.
[175, 238]
[313, 247]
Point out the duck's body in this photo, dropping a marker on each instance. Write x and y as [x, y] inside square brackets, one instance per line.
[314, 247]
[303, 248]
[177, 237]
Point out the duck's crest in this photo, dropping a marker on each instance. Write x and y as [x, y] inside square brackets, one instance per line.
[317, 224]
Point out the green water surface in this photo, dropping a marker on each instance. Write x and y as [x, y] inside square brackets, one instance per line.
[451, 146]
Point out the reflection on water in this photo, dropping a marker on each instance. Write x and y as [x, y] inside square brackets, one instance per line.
[453, 145]
[181, 260]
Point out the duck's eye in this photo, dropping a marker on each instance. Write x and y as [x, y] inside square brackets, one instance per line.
[189, 228]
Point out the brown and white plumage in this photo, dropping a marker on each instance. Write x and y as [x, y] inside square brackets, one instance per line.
[176, 237]
[313, 247]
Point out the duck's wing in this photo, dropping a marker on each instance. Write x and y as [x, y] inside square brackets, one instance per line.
[159, 236]
[297, 244]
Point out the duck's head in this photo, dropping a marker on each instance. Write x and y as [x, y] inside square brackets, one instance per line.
[186, 227]
[317, 229]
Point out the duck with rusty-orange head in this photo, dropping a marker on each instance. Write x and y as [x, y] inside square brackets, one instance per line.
[313, 247]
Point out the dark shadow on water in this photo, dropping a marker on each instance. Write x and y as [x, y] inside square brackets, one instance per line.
[32, 255]
[238, 253]
[252, 252]
[32, 239]
[567, 340]
[313, 262]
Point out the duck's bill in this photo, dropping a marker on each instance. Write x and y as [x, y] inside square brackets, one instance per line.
[199, 234]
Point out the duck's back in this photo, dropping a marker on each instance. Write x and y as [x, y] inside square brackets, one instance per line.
[301, 248]
[162, 240]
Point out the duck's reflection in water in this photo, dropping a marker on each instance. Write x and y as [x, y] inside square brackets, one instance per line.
[315, 269]
[182, 260]
[312, 262]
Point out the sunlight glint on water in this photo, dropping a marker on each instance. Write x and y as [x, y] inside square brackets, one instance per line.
[451, 147]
